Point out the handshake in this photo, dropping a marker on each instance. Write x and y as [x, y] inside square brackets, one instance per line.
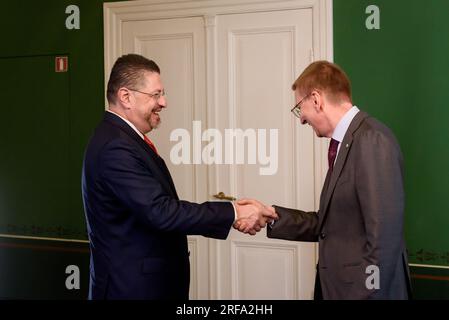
[253, 215]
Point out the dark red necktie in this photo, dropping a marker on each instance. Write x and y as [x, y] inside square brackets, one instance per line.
[152, 146]
[333, 147]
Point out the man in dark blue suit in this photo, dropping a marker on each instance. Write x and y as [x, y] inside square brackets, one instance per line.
[137, 225]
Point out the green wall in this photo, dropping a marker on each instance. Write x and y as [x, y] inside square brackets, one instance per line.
[32, 29]
[48, 118]
[400, 75]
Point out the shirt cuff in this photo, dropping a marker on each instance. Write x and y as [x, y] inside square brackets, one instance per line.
[235, 212]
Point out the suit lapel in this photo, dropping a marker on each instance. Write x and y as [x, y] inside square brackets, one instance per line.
[158, 167]
[164, 169]
[157, 161]
[331, 180]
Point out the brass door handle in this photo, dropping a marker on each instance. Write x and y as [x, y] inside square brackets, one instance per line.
[222, 196]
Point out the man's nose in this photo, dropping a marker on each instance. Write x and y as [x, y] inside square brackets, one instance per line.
[162, 102]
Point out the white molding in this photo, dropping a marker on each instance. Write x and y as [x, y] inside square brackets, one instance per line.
[233, 174]
[194, 267]
[329, 22]
[149, 9]
[428, 266]
[210, 22]
[214, 271]
[17, 236]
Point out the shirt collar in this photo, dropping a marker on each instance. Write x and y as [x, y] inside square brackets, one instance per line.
[128, 122]
[343, 125]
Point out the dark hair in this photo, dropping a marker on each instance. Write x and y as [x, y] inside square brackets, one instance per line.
[128, 71]
[325, 76]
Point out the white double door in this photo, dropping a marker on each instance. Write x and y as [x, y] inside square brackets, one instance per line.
[230, 71]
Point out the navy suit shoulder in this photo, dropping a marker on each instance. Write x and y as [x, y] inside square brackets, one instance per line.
[137, 226]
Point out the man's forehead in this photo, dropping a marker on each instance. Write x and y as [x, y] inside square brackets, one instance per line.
[153, 80]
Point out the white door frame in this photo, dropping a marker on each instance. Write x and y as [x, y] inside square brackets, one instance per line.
[117, 13]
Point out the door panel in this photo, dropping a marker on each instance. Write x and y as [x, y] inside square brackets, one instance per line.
[259, 55]
[178, 47]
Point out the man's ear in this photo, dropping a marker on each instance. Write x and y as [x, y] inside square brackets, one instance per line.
[317, 100]
[124, 97]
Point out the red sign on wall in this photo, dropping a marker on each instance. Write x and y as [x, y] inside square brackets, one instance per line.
[61, 64]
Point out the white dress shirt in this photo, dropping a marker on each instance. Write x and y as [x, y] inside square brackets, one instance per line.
[342, 127]
[129, 123]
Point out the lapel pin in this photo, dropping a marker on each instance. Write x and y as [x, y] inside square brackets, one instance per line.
[347, 145]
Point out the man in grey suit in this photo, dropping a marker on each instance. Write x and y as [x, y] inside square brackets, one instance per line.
[359, 225]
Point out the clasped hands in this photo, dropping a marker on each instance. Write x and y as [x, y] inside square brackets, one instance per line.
[253, 215]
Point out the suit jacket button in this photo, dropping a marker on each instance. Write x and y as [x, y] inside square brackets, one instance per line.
[322, 235]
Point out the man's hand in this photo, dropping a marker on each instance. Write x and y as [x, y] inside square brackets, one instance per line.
[253, 215]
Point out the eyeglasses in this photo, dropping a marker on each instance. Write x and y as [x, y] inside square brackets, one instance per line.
[156, 96]
[296, 110]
